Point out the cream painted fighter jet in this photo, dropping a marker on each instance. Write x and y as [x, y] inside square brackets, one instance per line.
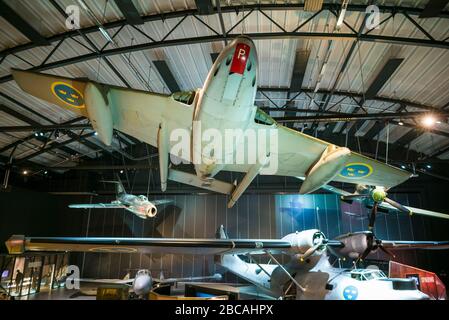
[307, 273]
[143, 282]
[139, 205]
[224, 104]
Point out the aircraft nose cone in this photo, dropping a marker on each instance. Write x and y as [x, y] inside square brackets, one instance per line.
[245, 40]
[142, 285]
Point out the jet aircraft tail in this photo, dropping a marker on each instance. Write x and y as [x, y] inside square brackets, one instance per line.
[119, 188]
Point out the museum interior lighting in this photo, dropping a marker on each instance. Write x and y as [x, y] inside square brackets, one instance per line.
[428, 121]
[250, 151]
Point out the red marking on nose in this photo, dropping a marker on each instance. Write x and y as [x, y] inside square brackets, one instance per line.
[240, 58]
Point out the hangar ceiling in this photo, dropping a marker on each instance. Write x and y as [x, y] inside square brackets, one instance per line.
[311, 77]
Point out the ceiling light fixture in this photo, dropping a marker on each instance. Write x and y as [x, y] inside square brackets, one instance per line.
[341, 17]
[428, 121]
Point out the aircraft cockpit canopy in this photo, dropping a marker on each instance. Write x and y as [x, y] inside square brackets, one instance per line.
[186, 97]
[263, 118]
[143, 272]
[143, 198]
[366, 274]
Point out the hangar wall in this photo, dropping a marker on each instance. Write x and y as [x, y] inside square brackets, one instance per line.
[254, 216]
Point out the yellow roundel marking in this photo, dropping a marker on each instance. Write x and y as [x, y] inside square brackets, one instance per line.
[356, 170]
[67, 94]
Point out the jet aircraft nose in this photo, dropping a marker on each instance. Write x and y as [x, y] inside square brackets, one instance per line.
[142, 285]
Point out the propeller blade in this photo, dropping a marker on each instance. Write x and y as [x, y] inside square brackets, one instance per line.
[365, 253]
[388, 252]
[352, 197]
[310, 251]
[398, 206]
[372, 217]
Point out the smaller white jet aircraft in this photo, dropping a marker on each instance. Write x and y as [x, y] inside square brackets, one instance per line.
[307, 274]
[143, 282]
[139, 205]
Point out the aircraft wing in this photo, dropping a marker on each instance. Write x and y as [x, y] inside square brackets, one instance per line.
[97, 206]
[332, 189]
[387, 206]
[107, 281]
[428, 245]
[20, 244]
[298, 152]
[216, 277]
[422, 212]
[134, 112]
[161, 202]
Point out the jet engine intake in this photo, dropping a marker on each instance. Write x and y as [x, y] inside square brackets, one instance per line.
[150, 211]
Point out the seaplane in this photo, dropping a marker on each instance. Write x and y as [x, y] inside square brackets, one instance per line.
[307, 273]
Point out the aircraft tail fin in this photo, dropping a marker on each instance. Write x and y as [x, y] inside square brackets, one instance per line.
[221, 233]
[119, 188]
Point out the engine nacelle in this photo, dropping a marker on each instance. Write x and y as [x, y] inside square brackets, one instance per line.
[304, 240]
[354, 244]
[150, 211]
[99, 112]
[325, 169]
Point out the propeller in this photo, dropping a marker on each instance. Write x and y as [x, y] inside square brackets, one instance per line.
[320, 245]
[312, 250]
[373, 244]
[377, 195]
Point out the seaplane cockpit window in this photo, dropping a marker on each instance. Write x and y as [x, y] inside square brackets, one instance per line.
[186, 97]
[263, 118]
[357, 276]
[378, 274]
[365, 275]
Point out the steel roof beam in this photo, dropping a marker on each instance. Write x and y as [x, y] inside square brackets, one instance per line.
[337, 116]
[433, 8]
[204, 7]
[225, 9]
[54, 145]
[44, 128]
[166, 75]
[207, 39]
[355, 95]
[21, 25]
[130, 11]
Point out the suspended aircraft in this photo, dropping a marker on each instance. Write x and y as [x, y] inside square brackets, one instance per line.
[224, 103]
[143, 282]
[376, 198]
[139, 205]
[307, 275]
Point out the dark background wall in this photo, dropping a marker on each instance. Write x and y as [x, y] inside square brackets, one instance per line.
[258, 214]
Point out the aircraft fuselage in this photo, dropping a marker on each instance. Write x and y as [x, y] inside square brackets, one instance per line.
[226, 102]
[139, 205]
[321, 281]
